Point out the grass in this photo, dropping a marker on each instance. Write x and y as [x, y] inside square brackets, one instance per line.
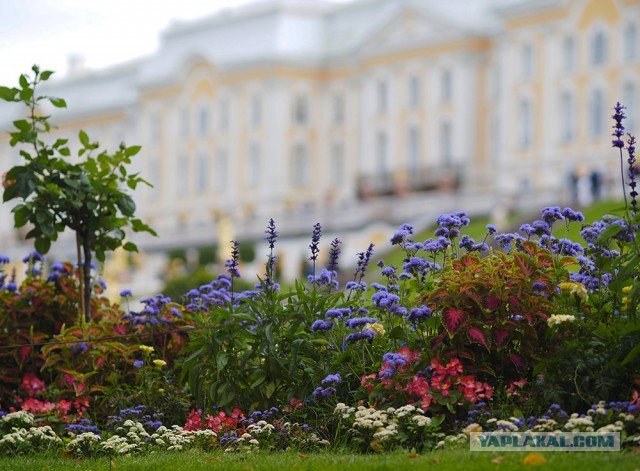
[440, 460]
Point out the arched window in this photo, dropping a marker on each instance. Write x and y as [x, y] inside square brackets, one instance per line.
[201, 183]
[568, 117]
[203, 120]
[630, 41]
[300, 110]
[526, 130]
[446, 143]
[253, 166]
[598, 48]
[630, 101]
[414, 91]
[337, 165]
[446, 86]
[597, 113]
[299, 166]
[413, 149]
[527, 61]
[569, 53]
[383, 98]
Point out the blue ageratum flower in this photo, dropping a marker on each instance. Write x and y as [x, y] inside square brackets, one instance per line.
[32, 257]
[321, 326]
[419, 314]
[125, 293]
[331, 380]
[4, 259]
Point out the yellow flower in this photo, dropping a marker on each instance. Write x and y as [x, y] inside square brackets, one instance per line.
[160, 363]
[627, 289]
[377, 329]
[146, 348]
[161, 391]
[577, 289]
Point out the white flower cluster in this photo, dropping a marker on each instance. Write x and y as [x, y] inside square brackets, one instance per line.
[31, 439]
[17, 419]
[558, 319]
[84, 444]
[260, 436]
[579, 424]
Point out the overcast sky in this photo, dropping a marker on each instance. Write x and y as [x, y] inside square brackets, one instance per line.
[106, 32]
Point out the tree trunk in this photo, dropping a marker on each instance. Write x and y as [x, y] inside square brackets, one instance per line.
[86, 248]
[80, 269]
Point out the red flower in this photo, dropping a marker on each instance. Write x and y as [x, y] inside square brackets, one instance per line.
[32, 385]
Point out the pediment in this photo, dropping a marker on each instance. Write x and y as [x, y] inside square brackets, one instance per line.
[407, 28]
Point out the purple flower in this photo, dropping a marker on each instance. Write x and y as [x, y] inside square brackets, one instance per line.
[334, 253]
[618, 128]
[321, 326]
[631, 150]
[417, 314]
[4, 259]
[331, 380]
[323, 393]
[138, 363]
[272, 234]
[32, 257]
[491, 229]
[366, 334]
[315, 240]
[232, 263]
[572, 216]
[550, 214]
[356, 322]
[337, 313]
[78, 348]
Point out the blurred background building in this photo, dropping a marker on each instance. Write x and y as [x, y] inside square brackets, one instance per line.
[361, 116]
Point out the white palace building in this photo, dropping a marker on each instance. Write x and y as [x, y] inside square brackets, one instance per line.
[360, 115]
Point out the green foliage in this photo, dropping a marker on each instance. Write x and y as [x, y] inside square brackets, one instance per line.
[56, 193]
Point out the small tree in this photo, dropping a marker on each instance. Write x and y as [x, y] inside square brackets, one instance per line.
[57, 192]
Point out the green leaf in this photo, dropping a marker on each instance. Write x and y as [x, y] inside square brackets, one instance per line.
[21, 215]
[24, 81]
[126, 205]
[84, 138]
[8, 94]
[65, 151]
[46, 74]
[58, 102]
[271, 388]
[635, 351]
[22, 125]
[43, 245]
[131, 151]
[130, 247]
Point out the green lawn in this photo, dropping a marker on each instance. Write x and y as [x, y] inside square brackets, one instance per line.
[457, 460]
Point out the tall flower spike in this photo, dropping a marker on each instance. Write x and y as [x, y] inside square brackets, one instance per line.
[232, 263]
[315, 240]
[618, 128]
[334, 253]
[618, 143]
[631, 150]
[272, 234]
